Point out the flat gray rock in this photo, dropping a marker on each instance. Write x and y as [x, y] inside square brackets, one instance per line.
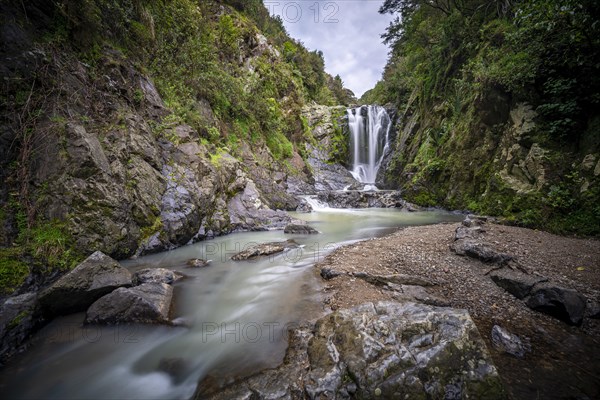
[264, 249]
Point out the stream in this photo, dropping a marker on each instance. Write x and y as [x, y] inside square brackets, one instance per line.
[233, 317]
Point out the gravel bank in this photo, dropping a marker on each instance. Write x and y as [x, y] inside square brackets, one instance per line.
[563, 361]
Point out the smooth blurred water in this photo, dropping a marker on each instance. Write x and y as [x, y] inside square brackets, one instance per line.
[235, 317]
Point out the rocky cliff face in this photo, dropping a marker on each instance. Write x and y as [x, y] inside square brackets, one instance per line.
[496, 159]
[183, 126]
[125, 188]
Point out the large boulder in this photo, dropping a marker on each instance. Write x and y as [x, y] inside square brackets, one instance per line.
[147, 303]
[564, 304]
[96, 276]
[385, 350]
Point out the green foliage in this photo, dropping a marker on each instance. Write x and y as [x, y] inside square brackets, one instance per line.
[49, 242]
[13, 271]
[458, 67]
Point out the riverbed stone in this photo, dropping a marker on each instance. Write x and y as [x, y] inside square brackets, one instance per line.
[197, 263]
[383, 350]
[156, 275]
[480, 251]
[96, 276]
[300, 229]
[329, 273]
[148, 303]
[562, 303]
[398, 279]
[516, 283]
[264, 249]
[508, 342]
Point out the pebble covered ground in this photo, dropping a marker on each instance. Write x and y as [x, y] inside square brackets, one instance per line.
[564, 361]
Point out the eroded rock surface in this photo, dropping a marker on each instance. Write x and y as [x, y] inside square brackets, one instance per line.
[383, 350]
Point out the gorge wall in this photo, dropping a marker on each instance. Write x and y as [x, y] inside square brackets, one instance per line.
[133, 127]
[497, 109]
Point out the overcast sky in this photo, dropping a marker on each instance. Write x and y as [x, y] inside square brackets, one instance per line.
[346, 31]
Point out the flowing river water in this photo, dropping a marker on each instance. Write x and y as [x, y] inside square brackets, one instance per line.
[233, 315]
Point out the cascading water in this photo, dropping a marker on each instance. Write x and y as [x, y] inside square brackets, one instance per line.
[369, 130]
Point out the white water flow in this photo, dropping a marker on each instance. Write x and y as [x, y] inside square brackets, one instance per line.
[369, 131]
[316, 204]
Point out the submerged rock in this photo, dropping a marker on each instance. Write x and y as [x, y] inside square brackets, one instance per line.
[197, 263]
[264, 249]
[147, 303]
[96, 276]
[156, 275]
[300, 229]
[564, 304]
[507, 342]
[384, 350]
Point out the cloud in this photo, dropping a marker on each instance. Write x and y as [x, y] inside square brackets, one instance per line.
[348, 32]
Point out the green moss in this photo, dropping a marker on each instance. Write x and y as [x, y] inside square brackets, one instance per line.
[13, 271]
[150, 230]
[18, 319]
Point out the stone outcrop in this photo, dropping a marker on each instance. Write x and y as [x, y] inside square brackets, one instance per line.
[93, 278]
[327, 124]
[468, 242]
[383, 350]
[516, 283]
[479, 251]
[147, 303]
[361, 199]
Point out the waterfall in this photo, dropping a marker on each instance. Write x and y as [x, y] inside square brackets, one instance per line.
[369, 130]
